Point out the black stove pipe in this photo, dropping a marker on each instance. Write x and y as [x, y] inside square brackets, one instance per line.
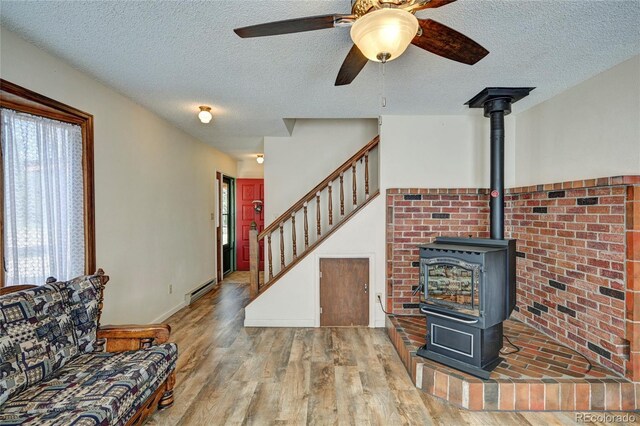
[496, 203]
[496, 110]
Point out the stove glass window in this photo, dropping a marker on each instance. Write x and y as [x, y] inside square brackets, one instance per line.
[452, 284]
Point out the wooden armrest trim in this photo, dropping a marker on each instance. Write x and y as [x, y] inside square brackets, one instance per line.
[133, 330]
[132, 337]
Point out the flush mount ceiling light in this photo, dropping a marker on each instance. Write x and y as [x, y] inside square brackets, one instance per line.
[205, 115]
[381, 31]
[260, 158]
[384, 34]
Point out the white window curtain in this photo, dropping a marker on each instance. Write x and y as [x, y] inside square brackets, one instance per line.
[43, 199]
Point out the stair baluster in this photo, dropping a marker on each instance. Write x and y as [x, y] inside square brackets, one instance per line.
[330, 205]
[306, 228]
[270, 257]
[366, 175]
[355, 187]
[281, 246]
[318, 226]
[254, 259]
[341, 194]
[293, 234]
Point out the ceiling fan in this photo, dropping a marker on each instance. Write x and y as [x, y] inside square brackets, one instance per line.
[381, 31]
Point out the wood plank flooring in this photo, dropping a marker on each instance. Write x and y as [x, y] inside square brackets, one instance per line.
[228, 374]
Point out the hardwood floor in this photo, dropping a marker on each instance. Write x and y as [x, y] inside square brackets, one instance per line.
[228, 374]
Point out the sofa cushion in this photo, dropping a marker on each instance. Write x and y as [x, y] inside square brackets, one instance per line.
[112, 385]
[12, 378]
[36, 337]
[83, 298]
[56, 324]
[56, 418]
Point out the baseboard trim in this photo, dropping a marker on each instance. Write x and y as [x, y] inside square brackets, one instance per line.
[279, 323]
[199, 291]
[170, 312]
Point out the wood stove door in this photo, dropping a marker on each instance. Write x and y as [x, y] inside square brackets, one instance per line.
[344, 292]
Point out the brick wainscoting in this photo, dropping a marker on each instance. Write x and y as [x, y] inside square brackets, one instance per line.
[578, 257]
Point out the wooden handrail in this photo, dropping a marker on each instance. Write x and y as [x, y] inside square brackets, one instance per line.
[311, 194]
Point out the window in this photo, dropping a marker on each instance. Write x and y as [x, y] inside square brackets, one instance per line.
[225, 213]
[47, 181]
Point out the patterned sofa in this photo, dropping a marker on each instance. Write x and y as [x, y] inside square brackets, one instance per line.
[59, 367]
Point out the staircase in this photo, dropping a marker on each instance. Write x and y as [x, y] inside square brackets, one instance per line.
[313, 218]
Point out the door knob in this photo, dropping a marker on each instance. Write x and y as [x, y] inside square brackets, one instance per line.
[366, 287]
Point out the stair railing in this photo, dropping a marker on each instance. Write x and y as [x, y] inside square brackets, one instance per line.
[281, 235]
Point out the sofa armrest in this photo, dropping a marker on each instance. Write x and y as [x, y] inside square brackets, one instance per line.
[119, 338]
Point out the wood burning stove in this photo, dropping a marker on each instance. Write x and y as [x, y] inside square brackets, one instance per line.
[466, 292]
[468, 285]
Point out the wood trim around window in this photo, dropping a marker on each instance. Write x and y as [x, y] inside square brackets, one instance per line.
[24, 100]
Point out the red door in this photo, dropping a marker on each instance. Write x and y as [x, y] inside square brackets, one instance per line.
[248, 192]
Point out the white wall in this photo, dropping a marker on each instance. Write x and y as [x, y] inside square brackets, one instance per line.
[440, 151]
[295, 299]
[294, 165]
[248, 168]
[154, 188]
[591, 130]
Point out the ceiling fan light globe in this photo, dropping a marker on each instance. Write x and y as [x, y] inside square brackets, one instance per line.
[205, 115]
[384, 33]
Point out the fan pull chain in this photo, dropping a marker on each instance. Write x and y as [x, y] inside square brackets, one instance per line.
[383, 98]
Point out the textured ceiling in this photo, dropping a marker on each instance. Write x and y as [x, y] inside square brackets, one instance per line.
[173, 56]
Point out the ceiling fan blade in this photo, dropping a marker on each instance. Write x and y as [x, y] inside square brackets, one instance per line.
[432, 4]
[448, 43]
[351, 67]
[309, 23]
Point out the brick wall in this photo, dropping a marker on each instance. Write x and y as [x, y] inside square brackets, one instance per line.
[633, 280]
[571, 248]
[578, 257]
[417, 216]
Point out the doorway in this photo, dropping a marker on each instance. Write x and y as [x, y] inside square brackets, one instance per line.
[344, 292]
[250, 208]
[227, 224]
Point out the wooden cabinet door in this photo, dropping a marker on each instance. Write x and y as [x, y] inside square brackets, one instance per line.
[344, 292]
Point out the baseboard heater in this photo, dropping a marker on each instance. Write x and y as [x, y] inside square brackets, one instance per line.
[199, 292]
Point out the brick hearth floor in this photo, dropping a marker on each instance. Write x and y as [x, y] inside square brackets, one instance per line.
[543, 376]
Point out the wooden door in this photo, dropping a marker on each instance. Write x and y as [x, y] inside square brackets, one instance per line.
[344, 292]
[248, 191]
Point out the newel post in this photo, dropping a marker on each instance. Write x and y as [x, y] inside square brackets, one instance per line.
[254, 261]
